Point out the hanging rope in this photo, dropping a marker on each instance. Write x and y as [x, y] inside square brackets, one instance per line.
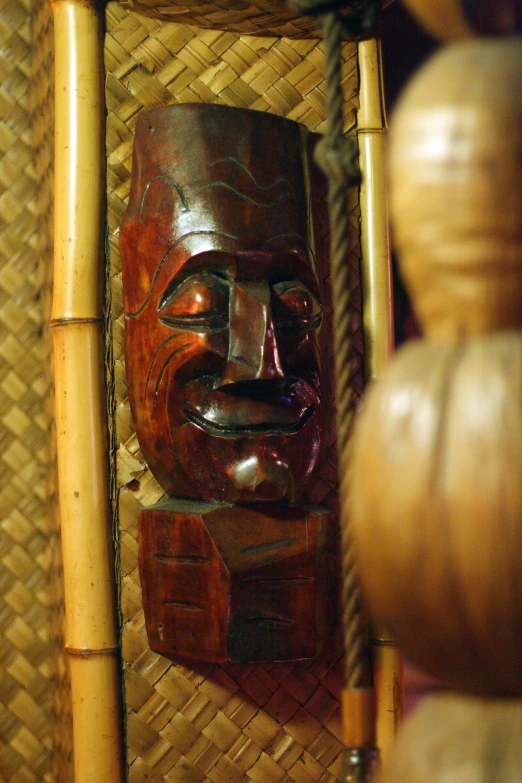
[337, 156]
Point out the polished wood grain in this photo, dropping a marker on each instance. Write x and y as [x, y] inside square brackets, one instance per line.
[223, 304]
[230, 583]
[224, 256]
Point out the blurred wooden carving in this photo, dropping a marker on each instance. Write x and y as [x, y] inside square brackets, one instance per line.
[436, 491]
[459, 739]
[454, 19]
[456, 201]
[226, 381]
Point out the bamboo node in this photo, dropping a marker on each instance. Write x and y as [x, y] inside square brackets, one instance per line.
[87, 652]
[55, 322]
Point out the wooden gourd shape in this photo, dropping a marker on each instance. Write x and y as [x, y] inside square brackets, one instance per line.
[459, 739]
[455, 19]
[436, 472]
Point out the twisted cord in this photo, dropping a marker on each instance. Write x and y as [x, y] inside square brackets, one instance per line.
[336, 154]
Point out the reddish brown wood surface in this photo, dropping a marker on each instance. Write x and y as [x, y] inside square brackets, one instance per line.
[223, 304]
[230, 583]
[223, 256]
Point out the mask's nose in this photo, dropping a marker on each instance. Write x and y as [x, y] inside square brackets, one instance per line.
[252, 347]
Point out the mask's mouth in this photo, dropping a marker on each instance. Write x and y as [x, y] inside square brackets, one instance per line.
[280, 407]
[245, 430]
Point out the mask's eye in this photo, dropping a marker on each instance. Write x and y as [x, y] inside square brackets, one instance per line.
[199, 304]
[296, 307]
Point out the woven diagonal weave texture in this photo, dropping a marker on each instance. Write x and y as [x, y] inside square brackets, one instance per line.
[264, 17]
[25, 731]
[41, 103]
[234, 723]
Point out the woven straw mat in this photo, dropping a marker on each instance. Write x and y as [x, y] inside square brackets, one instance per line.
[264, 17]
[25, 728]
[274, 723]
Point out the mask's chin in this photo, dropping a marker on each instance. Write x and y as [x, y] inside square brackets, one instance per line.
[261, 479]
[248, 469]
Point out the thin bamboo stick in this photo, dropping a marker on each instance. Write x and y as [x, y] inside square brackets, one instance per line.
[375, 242]
[378, 330]
[91, 638]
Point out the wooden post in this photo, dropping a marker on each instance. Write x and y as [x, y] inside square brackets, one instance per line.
[77, 323]
[378, 331]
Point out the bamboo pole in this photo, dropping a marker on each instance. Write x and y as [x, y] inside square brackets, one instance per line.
[378, 332]
[77, 324]
[375, 242]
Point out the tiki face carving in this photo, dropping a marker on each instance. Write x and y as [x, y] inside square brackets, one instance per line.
[223, 306]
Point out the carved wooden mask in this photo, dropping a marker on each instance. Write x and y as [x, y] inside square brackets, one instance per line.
[222, 304]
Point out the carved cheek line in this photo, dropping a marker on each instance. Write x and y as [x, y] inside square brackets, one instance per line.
[151, 367]
[163, 370]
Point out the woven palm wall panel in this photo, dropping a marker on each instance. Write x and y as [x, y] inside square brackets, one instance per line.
[261, 17]
[25, 727]
[234, 723]
[41, 102]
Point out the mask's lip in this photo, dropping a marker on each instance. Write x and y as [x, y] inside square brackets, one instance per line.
[246, 430]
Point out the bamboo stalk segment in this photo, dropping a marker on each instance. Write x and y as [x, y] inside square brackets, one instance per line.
[41, 101]
[378, 329]
[96, 719]
[388, 678]
[86, 526]
[375, 242]
[79, 160]
[91, 639]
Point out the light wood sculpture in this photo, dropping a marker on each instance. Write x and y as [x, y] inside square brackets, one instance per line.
[459, 739]
[455, 19]
[436, 498]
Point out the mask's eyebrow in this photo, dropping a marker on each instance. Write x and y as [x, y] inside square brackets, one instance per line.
[169, 181]
[291, 235]
[162, 262]
[211, 279]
